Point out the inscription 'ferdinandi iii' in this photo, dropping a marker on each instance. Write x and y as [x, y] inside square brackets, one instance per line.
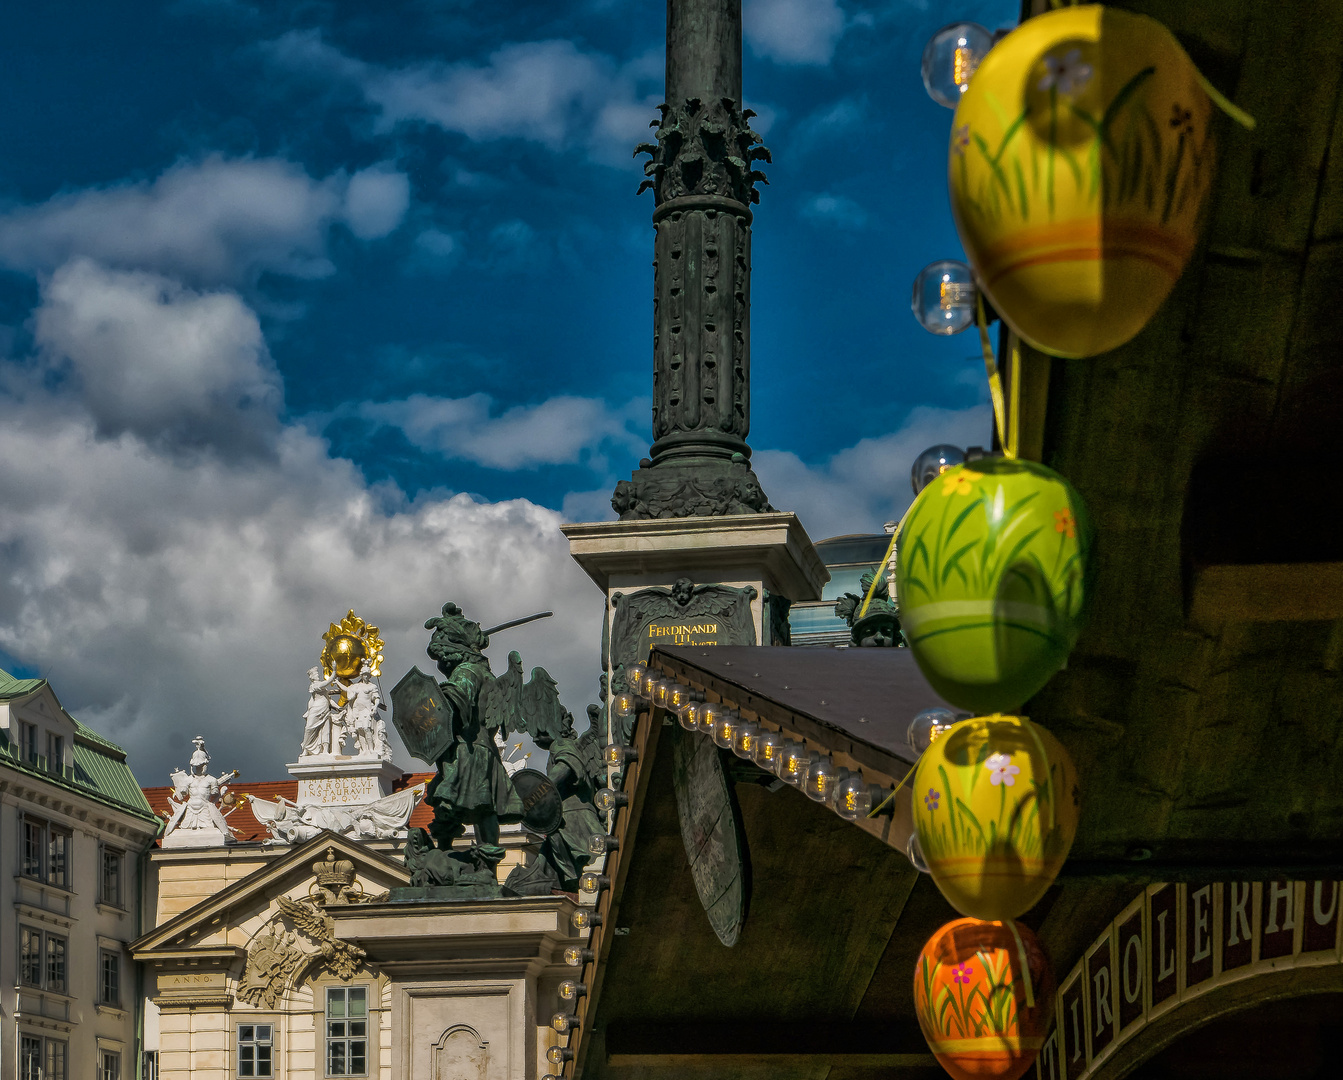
[664, 633]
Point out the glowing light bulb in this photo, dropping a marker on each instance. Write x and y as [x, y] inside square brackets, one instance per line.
[932, 463]
[689, 716]
[662, 693]
[585, 918]
[623, 705]
[606, 800]
[558, 1055]
[616, 755]
[678, 697]
[765, 750]
[927, 726]
[563, 1023]
[950, 60]
[943, 298]
[852, 798]
[571, 990]
[725, 730]
[590, 881]
[577, 956]
[794, 761]
[709, 715]
[822, 776]
[601, 843]
[634, 674]
[743, 744]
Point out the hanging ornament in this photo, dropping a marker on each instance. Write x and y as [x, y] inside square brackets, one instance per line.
[1081, 157]
[983, 993]
[995, 810]
[991, 576]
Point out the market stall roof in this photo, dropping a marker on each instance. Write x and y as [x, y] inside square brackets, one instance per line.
[863, 697]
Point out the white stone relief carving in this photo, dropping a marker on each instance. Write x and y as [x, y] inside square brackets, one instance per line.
[380, 819]
[341, 711]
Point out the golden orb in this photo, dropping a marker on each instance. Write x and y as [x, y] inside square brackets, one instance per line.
[345, 654]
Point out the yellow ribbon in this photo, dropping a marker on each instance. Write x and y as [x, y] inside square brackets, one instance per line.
[882, 805]
[996, 380]
[1025, 964]
[885, 562]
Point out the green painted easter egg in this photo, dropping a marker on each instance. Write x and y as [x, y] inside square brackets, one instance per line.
[991, 575]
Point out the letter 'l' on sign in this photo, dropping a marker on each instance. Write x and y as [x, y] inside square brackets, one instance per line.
[1162, 939]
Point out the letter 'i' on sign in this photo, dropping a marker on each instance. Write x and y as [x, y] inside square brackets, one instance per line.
[1277, 911]
[1237, 937]
[1197, 934]
[1162, 941]
[1320, 931]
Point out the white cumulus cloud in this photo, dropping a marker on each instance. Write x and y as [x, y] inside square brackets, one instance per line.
[561, 430]
[214, 220]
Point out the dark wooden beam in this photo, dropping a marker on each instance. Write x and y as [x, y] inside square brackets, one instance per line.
[1267, 592]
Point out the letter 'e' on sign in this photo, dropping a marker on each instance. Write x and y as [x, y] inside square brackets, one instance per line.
[1163, 943]
[1131, 965]
[1199, 936]
[1319, 932]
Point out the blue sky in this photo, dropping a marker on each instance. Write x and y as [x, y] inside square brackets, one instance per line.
[306, 306]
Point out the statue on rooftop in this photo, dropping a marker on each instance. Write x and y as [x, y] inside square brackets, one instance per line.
[880, 626]
[195, 819]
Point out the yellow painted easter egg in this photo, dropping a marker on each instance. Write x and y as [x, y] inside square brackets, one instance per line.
[995, 808]
[1081, 157]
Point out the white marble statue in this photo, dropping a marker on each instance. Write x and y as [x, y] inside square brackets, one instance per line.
[196, 820]
[362, 722]
[324, 720]
[380, 819]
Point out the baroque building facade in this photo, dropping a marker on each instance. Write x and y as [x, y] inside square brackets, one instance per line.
[74, 829]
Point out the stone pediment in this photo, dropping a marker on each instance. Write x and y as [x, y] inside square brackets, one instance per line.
[328, 870]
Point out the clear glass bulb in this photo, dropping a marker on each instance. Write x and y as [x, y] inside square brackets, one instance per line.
[725, 730]
[822, 776]
[662, 693]
[562, 1022]
[765, 750]
[794, 761]
[607, 800]
[591, 881]
[571, 990]
[634, 675]
[932, 463]
[575, 955]
[614, 756]
[709, 715]
[651, 683]
[951, 58]
[853, 797]
[678, 697]
[555, 1055]
[943, 298]
[688, 715]
[915, 852]
[623, 705]
[927, 726]
[600, 843]
[743, 744]
[584, 918]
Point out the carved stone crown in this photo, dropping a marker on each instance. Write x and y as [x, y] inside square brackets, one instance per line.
[704, 148]
[333, 873]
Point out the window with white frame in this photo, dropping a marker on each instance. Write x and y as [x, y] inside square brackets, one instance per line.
[55, 752]
[347, 1031]
[109, 1065]
[30, 1057]
[42, 959]
[255, 1050]
[109, 977]
[44, 851]
[109, 884]
[151, 1065]
[27, 741]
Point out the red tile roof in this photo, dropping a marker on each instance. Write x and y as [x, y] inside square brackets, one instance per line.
[249, 830]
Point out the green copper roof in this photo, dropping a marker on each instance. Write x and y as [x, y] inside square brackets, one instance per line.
[12, 687]
[100, 771]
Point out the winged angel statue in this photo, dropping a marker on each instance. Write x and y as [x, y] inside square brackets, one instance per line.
[452, 724]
